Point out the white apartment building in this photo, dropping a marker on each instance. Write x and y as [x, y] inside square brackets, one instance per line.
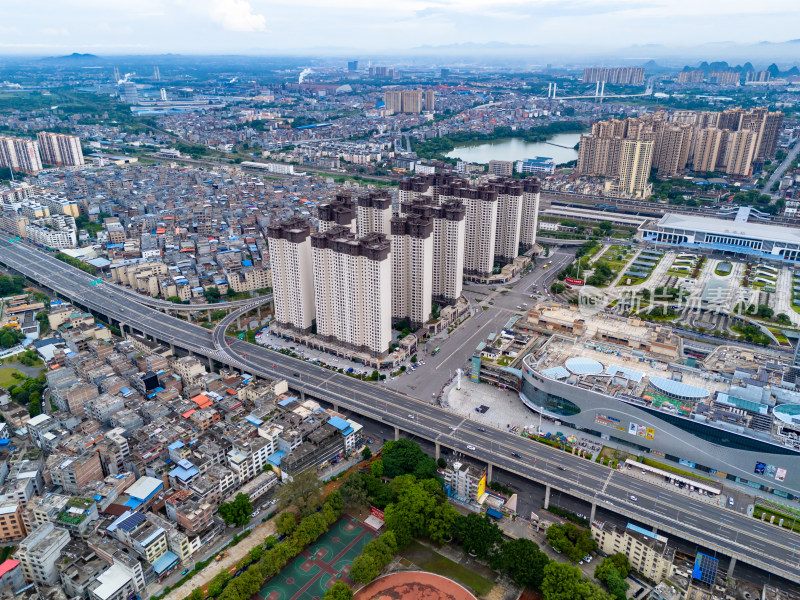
[509, 218]
[412, 268]
[480, 232]
[59, 205]
[57, 231]
[448, 251]
[647, 552]
[353, 289]
[374, 213]
[39, 552]
[529, 222]
[248, 459]
[20, 155]
[60, 150]
[292, 273]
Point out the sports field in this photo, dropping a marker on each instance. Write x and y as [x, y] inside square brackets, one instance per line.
[324, 562]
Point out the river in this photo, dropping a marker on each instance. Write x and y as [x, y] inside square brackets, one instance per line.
[517, 149]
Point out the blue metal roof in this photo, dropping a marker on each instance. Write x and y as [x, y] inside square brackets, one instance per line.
[339, 423]
[184, 474]
[165, 561]
[642, 530]
[275, 459]
[493, 512]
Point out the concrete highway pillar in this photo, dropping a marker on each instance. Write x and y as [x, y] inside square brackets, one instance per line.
[594, 510]
[438, 450]
[336, 407]
[489, 472]
[259, 312]
[396, 433]
[189, 316]
[547, 496]
[239, 323]
[210, 365]
[731, 566]
[172, 348]
[208, 315]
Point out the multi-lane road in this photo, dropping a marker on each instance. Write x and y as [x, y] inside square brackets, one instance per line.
[730, 533]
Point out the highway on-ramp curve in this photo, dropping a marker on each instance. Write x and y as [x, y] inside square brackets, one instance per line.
[729, 533]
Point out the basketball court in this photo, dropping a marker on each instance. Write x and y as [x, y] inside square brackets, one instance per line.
[320, 565]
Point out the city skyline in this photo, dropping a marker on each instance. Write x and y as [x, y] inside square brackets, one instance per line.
[264, 27]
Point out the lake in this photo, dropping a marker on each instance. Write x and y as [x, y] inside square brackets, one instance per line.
[517, 149]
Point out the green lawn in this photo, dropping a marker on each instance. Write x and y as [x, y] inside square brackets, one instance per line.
[7, 378]
[428, 560]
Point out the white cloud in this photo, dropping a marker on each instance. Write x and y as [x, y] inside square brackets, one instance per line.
[237, 15]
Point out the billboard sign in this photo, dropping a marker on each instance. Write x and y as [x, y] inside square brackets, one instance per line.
[760, 468]
[482, 486]
[780, 474]
[376, 512]
[572, 281]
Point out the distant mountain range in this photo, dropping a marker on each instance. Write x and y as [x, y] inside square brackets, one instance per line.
[75, 58]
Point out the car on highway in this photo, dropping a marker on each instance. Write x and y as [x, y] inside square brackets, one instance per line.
[470, 447]
[255, 513]
[295, 374]
[452, 428]
[184, 572]
[634, 498]
[411, 417]
[481, 428]
[516, 455]
[560, 468]
[731, 501]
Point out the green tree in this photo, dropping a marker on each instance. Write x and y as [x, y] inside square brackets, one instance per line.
[408, 516]
[616, 584]
[442, 523]
[523, 561]
[212, 295]
[478, 535]
[557, 287]
[366, 453]
[196, 594]
[354, 491]
[616, 561]
[313, 526]
[217, 584]
[236, 512]
[335, 500]
[405, 456]
[286, 523]
[572, 540]
[562, 581]
[441, 463]
[304, 492]
[378, 550]
[376, 468]
[364, 569]
[339, 591]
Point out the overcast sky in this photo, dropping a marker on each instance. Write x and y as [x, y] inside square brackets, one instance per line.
[379, 26]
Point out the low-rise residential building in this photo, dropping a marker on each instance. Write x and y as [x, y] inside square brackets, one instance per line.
[39, 552]
[648, 553]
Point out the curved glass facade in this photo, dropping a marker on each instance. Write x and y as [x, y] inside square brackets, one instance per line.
[550, 403]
